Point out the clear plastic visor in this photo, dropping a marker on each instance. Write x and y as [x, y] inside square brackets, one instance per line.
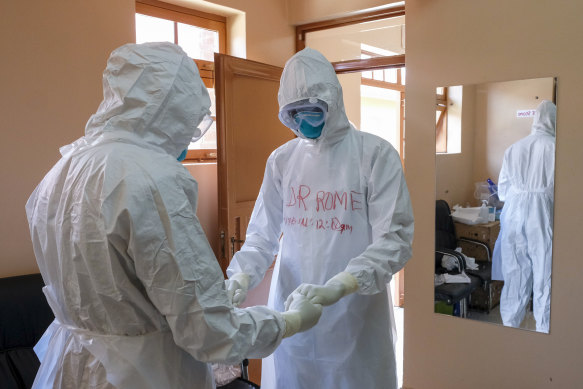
[202, 127]
[314, 113]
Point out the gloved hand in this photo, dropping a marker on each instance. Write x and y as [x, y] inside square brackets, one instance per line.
[301, 314]
[337, 287]
[237, 287]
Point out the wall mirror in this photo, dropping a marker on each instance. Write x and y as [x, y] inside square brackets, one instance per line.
[495, 159]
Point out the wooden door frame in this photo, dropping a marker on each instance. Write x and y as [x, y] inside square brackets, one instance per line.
[303, 29]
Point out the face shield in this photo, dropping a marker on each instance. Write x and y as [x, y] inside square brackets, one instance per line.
[200, 130]
[202, 127]
[307, 116]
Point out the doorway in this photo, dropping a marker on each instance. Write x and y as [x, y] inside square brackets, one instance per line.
[368, 54]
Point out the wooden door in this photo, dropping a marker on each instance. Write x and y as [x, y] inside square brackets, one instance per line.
[248, 130]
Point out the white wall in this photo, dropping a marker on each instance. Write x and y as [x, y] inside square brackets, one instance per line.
[453, 42]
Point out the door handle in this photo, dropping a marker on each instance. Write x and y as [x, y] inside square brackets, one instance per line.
[222, 240]
[233, 241]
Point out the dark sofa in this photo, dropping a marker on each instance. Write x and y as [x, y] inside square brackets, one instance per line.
[24, 317]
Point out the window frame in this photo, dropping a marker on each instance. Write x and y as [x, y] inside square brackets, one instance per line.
[302, 30]
[398, 86]
[205, 20]
[441, 123]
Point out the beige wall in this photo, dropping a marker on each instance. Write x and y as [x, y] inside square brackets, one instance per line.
[483, 42]
[53, 54]
[496, 124]
[53, 57]
[489, 126]
[307, 11]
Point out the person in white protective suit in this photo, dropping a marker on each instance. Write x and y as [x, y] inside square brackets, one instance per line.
[524, 247]
[340, 198]
[139, 298]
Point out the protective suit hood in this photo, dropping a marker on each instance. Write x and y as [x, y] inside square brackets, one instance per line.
[308, 74]
[152, 95]
[545, 119]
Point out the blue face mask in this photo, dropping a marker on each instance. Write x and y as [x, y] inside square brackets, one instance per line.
[182, 155]
[310, 131]
[310, 123]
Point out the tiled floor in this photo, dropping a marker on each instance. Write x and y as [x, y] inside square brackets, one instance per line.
[494, 317]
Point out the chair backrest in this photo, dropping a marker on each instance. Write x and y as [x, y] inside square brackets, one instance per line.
[444, 229]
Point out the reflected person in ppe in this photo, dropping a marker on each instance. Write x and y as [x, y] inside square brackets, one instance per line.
[524, 247]
[138, 296]
[340, 199]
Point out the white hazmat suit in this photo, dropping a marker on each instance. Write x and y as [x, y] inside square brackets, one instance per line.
[138, 295]
[342, 204]
[524, 247]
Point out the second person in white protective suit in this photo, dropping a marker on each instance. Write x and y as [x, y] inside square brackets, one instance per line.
[138, 296]
[340, 198]
[524, 247]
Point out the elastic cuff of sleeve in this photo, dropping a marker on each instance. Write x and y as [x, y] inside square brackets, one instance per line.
[366, 282]
[292, 323]
[348, 280]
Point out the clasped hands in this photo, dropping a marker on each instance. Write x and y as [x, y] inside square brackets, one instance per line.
[337, 287]
[300, 314]
[303, 306]
[309, 295]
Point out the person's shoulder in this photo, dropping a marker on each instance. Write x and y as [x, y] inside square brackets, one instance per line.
[285, 149]
[375, 145]
[148, 167]
[525, 144]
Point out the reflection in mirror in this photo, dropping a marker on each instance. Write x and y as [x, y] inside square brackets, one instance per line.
[495, 165]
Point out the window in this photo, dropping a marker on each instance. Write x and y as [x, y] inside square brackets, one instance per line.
[200, 35]
[441, 120]
[448, 120]
[382, 99]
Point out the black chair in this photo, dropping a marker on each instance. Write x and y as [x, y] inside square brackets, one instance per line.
[24, 317]
[484, 271]
[445, 244]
